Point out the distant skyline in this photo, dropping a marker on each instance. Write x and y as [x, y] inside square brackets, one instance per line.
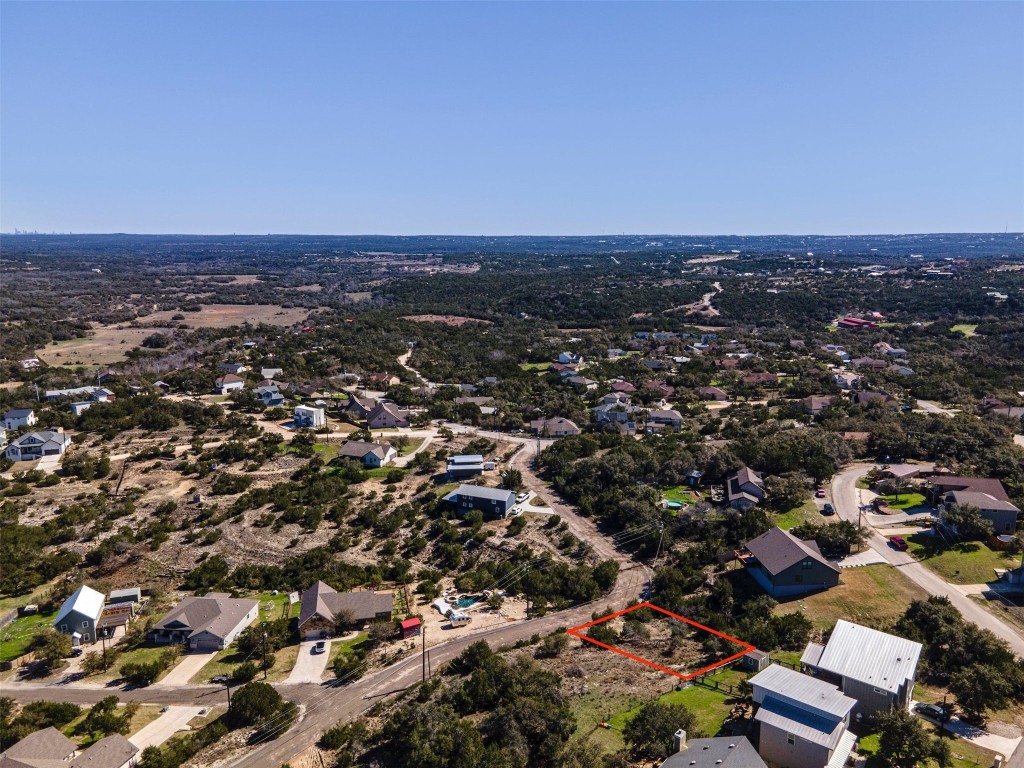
[512, 118]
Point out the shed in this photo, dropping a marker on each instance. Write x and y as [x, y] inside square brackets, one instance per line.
[411, 627]
[756, 661]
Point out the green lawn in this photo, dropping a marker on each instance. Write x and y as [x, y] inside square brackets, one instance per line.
[710, 706]
[272, 606]
[411, 444]
[535, 366]
[966, 329]
[805, 513]
[141, 655]
[905, 500]
[35, 596]
[326, 451]
[680, 493]
[384, 471]
[965, 754]
[346, 647]
[968, 563]
[17, 636]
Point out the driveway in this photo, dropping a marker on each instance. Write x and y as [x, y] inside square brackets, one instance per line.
[1004, 745]
[845, 497]
[309, 667]
[160, 730]
[187, 668]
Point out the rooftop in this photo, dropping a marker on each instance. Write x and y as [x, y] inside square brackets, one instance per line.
[865, 654]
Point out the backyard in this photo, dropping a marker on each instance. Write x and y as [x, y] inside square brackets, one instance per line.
[970, 562]
[805, 513]
[17, 636]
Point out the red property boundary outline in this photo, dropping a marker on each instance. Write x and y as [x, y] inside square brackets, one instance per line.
[578, 632]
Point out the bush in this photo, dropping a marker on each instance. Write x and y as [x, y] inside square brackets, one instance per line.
[244, 672]
[254, 703]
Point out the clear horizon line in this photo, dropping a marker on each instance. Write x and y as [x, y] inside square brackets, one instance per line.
[455, 234]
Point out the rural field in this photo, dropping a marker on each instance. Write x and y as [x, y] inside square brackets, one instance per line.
[227, 315]
[105, 345]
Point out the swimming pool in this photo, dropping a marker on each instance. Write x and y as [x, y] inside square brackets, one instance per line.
[465, 601]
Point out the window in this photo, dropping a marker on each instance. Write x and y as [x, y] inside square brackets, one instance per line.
[879, 690]
[63, 627]
[807, 565]
[85, 625]
[85, 636]
[790, 738]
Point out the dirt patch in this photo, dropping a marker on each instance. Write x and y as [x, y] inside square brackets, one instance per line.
[455, 320]
[227, 315]
[712, 259]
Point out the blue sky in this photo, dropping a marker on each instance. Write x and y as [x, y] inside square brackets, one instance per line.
[517, 118]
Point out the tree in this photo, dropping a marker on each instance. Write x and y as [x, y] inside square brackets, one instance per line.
[605, 574]
[512, 480]
[380, 631]
[902, 741]
[244, 672]
[156, 341]
[979, 688]
[967, 521]
[104, 717]
[650, 734]
[51, 648]
[253, 703]
[783, 492]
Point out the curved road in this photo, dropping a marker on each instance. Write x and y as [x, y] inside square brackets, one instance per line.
[847, 502]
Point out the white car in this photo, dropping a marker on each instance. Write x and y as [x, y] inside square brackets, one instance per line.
[515, 511]
[522, 497]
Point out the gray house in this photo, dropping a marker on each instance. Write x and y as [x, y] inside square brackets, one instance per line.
[79, 614]
[463, 466]
[209, 623]
[323, 607]
[718, 752]
[801, 722]
[785, 566]
[875, 668]
[493, 502]
[744, 490]
[1000, 512]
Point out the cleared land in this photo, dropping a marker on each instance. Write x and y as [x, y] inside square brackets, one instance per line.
[455, 320]
[105, 345]
[227, 315]
[971, 562]
[868, 595]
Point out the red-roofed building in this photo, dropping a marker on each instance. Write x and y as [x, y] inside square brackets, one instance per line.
[411, 627]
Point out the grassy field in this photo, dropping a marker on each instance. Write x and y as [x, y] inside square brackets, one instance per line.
[965, 754]
[35, 596]
[805, 513]
[966, 329]
[227, 315]
[967, 563]
[905, 500]
[680, 493]
[346, 647]
[384, 471]
[412, 443]
[326, 451]
[535, 366]
[869, 594]
[145, 715]
[224, 663]
[141, 655]
[273, 606]
[17, 636]
[103, 346]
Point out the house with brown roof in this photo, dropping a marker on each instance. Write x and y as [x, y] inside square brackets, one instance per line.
[229, 383]
[785, 566]
[662, 388]
[209, 623]
[713, 393]
[869, 363]
[324, 609]
[554, 427]
[387, 416]
[358, 408]
[760, 379]
[745, 489]
[372, 455]
[883, 398]
[815, 404]
[622, 386]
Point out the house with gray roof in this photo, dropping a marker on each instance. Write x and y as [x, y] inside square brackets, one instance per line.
[35, 445]
[270, 394]
[464, 465]
[372, 455]
[1001, 513]
[209, 623]
[718, 752]
[387, 416]
[667, 418]
[113, 751]
[801, 722]
[785, 566]
[324, 608]
[40, 749]
[875, 668]
[554, 427]
[744, 490]
[19, 417]
[495, 503]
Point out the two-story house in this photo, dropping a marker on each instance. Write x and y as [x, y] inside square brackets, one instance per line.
[785, 566]
[78, 615]
[19, 417]
[744, 490]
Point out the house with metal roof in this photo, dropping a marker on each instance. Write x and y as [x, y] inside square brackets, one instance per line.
[785, 566]
[718, 752]
[495, 503]
[801, 722]
[875, 668]
[79, 614]
[463, 466]
[323, 609]
[209, 623]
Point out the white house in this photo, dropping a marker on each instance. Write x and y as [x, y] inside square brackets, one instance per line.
[19, 417]
[235, 368]
[313, 418]
[81, 407]
[570, 358]
[229, 383]
[35, 445]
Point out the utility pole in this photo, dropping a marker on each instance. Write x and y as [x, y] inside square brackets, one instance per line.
[103, 637]
[264, 626]
[227, 687]
[650, 578]
[423, 651]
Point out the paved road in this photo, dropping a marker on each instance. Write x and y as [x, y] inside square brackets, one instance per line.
[160, 730]
[845, 499]
[930, 407]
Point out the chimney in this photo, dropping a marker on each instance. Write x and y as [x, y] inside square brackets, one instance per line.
[680, 740]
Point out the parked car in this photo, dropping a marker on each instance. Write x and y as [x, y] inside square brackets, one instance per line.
[899, 542]
[515, 511]
[76, 652]
[320, 647]
[522, 497]
[828, 509]
[820, 493]
[933, 711]
[220, 679]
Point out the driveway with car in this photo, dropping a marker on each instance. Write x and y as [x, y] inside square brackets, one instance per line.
[310, 667]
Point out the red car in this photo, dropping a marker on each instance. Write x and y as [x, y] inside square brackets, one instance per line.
[899, 542]
[820, 493]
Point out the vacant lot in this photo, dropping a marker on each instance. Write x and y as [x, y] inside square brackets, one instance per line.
[105, 345]
[17, 636]
[971, 562]
[868, 595]
[455, 320]
[226, 315]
